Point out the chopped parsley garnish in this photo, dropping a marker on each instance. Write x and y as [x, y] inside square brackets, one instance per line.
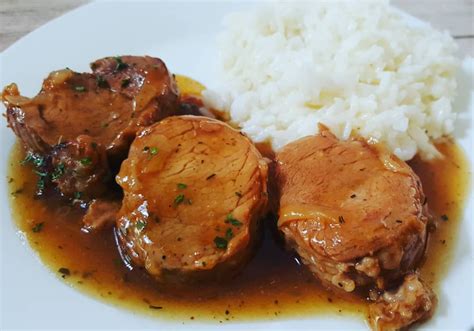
[220, 242]
[79, 88]
[182, 186]
[86, 161]
[151, 150]
[41, 183]
[140, 225]
[125, 82]
[229, 234]
[444, 217]
[58, 171]
[232, 220]
[36, 160]
[38, 227]
[77, 195]
[120, 64]
[178, 200]
[41, 173]
[28, 158]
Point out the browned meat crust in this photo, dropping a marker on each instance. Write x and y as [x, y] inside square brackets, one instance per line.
[107, 108]
[412, 302]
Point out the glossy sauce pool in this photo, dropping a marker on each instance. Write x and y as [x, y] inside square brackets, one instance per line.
[273, 286]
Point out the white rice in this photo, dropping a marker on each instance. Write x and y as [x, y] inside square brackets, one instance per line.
[357, 67]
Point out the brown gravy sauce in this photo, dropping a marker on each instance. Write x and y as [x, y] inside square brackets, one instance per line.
[272, 286]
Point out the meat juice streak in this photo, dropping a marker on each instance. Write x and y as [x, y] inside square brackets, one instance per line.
[272, 286]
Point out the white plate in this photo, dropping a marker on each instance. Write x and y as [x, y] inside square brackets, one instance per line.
[183, 35]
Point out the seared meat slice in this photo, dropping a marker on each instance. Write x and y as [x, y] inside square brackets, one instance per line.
[194, 191]
[109, 106]
[355, 214]
[412, 302]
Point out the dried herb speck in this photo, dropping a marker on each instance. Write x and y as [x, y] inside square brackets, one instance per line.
[220, 242]
[155, 307]
[64, 271]
[38, 227]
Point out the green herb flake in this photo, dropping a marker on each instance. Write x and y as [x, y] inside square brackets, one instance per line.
[239, 194]
[232, 220]
[229, 234]
[153, 150]
[41, 173]
[38, 227]
[178, 200]
[182, 186]
[77, 195]
[220, 242]
[140, 225]
[58, 171]
[444, 217]
[36, 160]
[41, 183]
[86, 161]
[79, 88]
[28, 158]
